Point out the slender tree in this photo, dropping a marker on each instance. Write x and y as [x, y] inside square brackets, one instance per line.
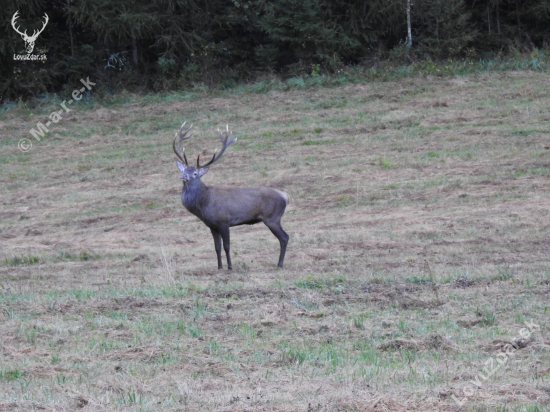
[409, 41]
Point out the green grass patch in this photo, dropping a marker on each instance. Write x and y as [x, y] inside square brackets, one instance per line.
[319, 142]
[309, 284]
[68, 256]
[384, 163]
[417, 279]
[22, 260]
[527, 132]
[10, 374]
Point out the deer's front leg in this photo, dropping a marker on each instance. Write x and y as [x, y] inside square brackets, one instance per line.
[224, 232]
[218, 245]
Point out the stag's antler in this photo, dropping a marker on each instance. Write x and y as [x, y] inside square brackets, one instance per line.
[24, 34]
[181, 136]
[226, 141]
[37, 32]
[15, 16]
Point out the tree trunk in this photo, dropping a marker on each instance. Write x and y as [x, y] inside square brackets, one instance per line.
[134, 49]
[498, 18]
[71, 36]
[517, 16]
[70, 29]
[489, 19]
[408, 42]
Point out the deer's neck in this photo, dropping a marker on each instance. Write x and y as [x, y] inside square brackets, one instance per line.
[194, 197]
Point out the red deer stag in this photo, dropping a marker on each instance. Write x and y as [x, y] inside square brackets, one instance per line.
[220, 208]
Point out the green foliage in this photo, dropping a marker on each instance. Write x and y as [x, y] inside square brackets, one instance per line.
[166, 45]
[444, 28]
[299, 36]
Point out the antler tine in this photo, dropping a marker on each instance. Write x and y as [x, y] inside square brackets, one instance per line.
[180, 137]
[184, 158]
[37, 32]
[206, 164]
[227, 140]
[15, 17]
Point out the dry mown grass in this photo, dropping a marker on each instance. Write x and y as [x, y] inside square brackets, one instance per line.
[419, 222]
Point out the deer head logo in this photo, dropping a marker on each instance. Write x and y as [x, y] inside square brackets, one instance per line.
[29, 40]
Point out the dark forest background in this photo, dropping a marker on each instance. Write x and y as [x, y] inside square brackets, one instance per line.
[162, 45]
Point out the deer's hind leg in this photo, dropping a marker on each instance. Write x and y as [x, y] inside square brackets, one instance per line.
[277, 230]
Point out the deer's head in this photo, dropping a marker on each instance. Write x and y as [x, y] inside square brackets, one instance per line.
[29, 40]
[189, 174]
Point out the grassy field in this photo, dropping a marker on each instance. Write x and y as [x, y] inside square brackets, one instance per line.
[419, 222]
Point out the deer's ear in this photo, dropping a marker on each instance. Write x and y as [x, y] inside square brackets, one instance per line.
[181, 167]
[203, 171]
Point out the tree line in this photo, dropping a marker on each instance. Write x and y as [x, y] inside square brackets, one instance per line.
[173, 44]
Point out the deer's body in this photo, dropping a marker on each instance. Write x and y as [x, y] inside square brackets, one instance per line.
[221, 208]
[234, 206]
